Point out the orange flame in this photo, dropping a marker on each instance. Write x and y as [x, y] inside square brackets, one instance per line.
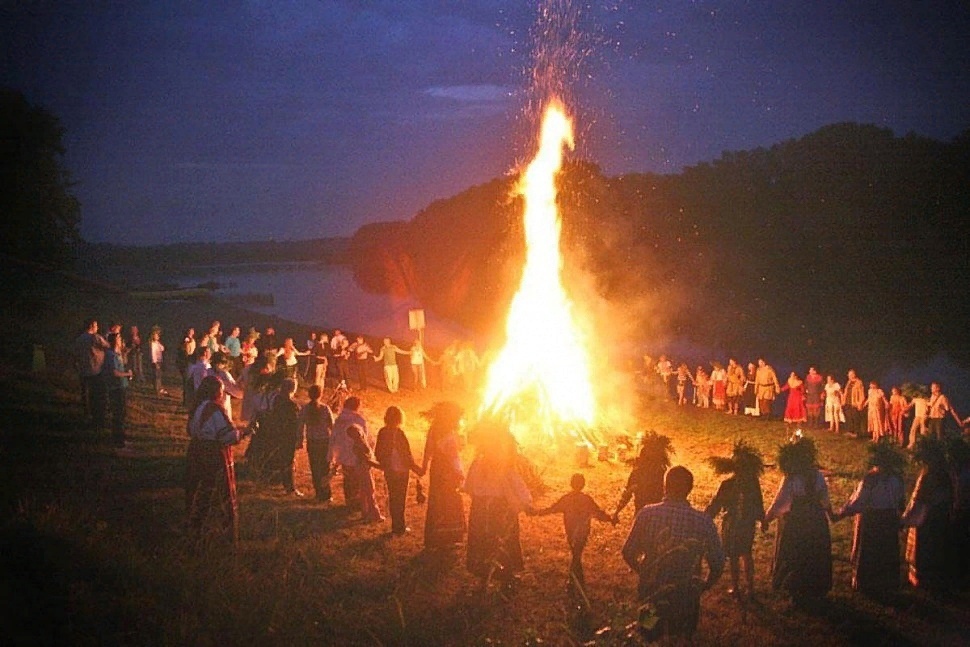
[544, 364]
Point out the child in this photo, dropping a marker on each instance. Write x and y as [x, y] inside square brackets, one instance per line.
[683, 377]
[740, 498]
[897, 411]
[578, 509]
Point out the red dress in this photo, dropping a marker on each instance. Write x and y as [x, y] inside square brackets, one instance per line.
[795, 407]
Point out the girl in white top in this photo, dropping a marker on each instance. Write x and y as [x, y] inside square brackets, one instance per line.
[156, 352]
[833, 404]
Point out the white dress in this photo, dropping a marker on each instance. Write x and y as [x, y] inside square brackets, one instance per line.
[833, 402]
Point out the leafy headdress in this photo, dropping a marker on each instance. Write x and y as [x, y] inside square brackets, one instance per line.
[656, 448]
[886, 456]
[930, 451]
[798, 456]
[745, 460]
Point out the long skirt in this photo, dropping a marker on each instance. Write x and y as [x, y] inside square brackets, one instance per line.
[368, 503]
[875, 552]
[960, 555]
[210, 483]
[445, 521]
[494, 549]
[926, 550]
[803, 552]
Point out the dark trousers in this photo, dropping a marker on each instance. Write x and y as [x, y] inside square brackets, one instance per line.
[361, 373]
[95, 399]
[351, 486]
[855, 420]
[934, 427]
[286, 469]
[138, 365]
[764, 409]
[157, 374]
[119, 406]
[397, 492]
[343, 371]
[319, 469]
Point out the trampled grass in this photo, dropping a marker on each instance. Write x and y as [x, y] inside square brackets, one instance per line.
[94, 551]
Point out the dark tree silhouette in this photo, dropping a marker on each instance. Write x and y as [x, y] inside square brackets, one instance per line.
[847, 238]
[39, 216]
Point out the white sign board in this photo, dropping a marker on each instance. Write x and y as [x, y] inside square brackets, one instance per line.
[416, 319]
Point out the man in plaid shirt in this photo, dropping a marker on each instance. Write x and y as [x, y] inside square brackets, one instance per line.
[665, 547]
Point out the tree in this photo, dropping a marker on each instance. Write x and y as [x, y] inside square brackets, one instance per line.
[39, 216]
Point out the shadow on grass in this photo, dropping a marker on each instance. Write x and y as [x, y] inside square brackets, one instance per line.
[856, 622]
[57, 593]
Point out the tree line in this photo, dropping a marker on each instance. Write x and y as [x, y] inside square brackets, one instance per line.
[847, 238]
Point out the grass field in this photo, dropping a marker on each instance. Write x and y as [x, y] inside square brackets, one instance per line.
[93, 550]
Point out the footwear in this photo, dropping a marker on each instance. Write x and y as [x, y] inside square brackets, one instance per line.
[296, 493]
[401, 531]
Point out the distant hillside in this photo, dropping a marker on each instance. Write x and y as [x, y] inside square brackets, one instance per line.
[847, 243]
[181, 255]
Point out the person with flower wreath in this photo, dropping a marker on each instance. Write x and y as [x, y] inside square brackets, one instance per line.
[802, 563]
[877, 504]
[645, 485]
[739, 497]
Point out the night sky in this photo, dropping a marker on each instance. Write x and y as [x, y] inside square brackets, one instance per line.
[255, 120]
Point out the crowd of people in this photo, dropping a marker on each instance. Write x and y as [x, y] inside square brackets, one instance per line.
[854, 408]
[251, 366]
[668, 539]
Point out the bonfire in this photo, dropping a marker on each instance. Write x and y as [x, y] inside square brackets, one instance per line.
[541, 379]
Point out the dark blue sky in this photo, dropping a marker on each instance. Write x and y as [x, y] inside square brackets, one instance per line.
[250, 120]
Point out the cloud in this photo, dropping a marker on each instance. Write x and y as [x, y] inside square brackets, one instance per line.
[224, 166]
[471, 93]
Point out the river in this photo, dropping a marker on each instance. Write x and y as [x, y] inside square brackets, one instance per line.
[326, 296]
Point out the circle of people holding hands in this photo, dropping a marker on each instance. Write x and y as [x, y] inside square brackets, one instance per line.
[853, 408]
[668, 540]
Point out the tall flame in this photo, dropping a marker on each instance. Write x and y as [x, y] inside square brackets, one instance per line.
[544, 361]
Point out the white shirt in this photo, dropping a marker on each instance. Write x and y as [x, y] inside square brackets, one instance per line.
[157, 349]
[198, 371]
[341, 446]
[794, 486]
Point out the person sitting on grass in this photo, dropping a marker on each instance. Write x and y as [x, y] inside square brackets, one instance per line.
[739, 496]
[577, 509]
